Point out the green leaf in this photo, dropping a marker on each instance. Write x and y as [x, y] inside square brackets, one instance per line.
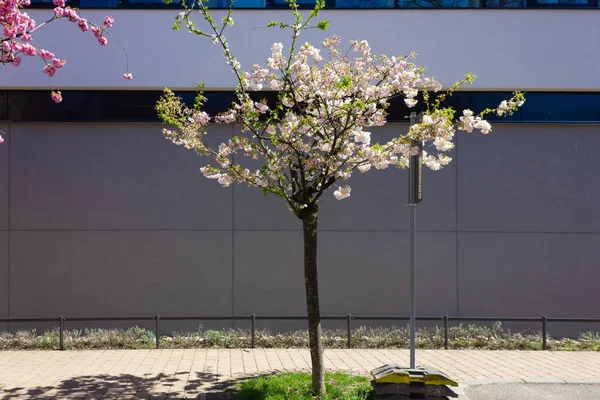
[323, 25]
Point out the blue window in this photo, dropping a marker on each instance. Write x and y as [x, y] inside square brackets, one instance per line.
[237, 3]
[364, 3]
[330, 4]
[99, 3]
[562, 3]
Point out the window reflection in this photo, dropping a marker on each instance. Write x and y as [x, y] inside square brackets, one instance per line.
[237, 3]
[364, 4]
[439, 3]
[99, 3]
[300, 2]
[342, 4]
[158, 2]
[505, 3]
[563, 2]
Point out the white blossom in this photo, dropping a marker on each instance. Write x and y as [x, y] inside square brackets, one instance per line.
[342, 192]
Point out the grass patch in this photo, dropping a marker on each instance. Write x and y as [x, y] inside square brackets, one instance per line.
[297, 386]
[469, 336]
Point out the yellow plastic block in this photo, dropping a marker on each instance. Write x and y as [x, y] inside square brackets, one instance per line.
[392, 373]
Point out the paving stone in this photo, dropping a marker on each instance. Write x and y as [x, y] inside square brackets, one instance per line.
[203, 372]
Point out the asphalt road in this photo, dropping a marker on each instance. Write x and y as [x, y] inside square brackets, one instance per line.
[532, 391]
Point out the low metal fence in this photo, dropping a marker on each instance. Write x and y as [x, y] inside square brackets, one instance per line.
[445, 320]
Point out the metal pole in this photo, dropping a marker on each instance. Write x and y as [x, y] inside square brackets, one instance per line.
[445, 332]
[61, 329]
[544, 334]
[253, 329]
[413, 308]
[414, 198]
[349, 330]
[157, 331]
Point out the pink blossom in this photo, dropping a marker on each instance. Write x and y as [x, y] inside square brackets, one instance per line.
[96, 31]
[70, 14]
[102, 40]
[128, 76]
[59, 11]
[108, 21]
[17, 61]
[58, 63]
[26, 37]
[262, 108]
[28, 50]
[83, 24]
[49, 70]
[59, 3]
[6, 46]
[46, 55]
[9, 33]
[56, 96]
[1, 140]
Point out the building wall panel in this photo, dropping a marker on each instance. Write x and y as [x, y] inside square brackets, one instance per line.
[530, 178]
[116, 273]
[530, 275]
[110, 176]
[506, 48]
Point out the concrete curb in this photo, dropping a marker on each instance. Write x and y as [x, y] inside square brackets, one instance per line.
[460, 391]
[477, 382]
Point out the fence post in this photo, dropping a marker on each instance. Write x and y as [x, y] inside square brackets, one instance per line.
[253, 329]
[349, 330]
[61, 328]
[445, 332]
[157, 330]
[544, 334]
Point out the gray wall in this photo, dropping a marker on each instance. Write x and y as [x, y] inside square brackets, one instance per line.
[512, 47]
[112, 219]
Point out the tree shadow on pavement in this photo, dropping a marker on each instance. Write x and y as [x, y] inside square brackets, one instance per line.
[180, 385]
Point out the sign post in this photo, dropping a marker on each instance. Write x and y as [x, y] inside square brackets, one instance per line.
[415, 195]
[413, 382]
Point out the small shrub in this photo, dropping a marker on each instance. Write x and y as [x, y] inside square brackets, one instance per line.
[462, 336]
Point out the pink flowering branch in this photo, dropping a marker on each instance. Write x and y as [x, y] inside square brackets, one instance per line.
[18, 29]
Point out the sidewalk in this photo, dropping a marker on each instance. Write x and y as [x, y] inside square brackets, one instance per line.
[161, 374]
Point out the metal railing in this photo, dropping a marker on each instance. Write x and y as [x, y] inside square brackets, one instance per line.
[445, 320]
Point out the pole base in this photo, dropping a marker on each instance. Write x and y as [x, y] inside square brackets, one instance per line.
[426, 376]
[398, 391]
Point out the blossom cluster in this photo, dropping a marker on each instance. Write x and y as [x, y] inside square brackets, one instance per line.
[318, 132]
[507, 106]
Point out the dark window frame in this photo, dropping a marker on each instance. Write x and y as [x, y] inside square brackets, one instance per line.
[591, 4]
[139, 105]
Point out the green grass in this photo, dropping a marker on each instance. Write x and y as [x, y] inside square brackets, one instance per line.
[297, 386]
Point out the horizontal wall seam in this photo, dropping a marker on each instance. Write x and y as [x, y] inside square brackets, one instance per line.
[300, 230]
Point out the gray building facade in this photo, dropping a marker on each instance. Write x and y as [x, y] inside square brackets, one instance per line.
[113, 220]
[101, 216]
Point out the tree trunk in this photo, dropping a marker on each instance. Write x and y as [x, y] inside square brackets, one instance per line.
[309, 226]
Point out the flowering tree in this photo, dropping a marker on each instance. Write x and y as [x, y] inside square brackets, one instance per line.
[316, 135]
[18, 30]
